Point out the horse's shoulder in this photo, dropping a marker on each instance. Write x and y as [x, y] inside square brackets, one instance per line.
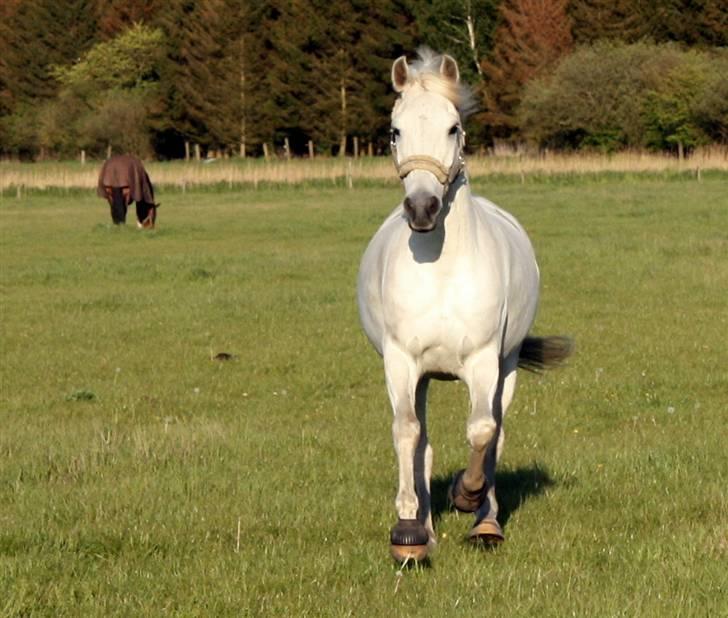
[392, 223]
[495, 214]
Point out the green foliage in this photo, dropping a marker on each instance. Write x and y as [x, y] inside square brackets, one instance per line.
[463, 28]
[711, 108]
[688, 106]
[57, 127]
[700, 23]
[669, 109]
[232, 74]
[35, 36]
[612, 95]
[107, 96]
[120, 118]
[265, 486]
[18, 131]
[126, 62]
[201, 74]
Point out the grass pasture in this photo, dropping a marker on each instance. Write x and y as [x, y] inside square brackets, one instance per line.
[139, 477]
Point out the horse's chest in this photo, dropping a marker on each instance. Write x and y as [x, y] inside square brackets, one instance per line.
[440, 312]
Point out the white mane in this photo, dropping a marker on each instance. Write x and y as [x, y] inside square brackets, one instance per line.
[424, 71]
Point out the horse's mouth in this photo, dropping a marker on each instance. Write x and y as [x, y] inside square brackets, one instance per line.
[422, 229]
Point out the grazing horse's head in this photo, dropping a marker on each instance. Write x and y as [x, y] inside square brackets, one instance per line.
[427, 136]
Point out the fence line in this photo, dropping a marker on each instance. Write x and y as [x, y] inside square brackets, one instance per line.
[349, 171]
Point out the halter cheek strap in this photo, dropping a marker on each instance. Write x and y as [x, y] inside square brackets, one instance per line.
[445, 176]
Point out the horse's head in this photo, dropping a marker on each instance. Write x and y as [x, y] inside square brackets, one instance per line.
[427, 137]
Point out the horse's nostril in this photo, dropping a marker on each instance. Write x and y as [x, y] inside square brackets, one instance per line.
[433, 206]
[408, 206]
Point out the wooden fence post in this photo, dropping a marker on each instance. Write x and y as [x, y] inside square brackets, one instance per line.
[266, 154]
[197, 152]
[356, 147]
[83, 157]
[187, 150]
[287, 148]
[310, 149]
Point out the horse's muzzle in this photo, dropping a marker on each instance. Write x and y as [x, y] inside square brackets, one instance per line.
[421, 210]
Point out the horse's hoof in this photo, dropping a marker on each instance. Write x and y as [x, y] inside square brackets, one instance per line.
[488, 533]
[408, 541]
[463, 499]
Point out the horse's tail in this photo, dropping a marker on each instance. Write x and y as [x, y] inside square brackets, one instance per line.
[540, 353]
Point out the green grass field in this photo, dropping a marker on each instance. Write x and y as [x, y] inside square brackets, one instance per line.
[139, 477]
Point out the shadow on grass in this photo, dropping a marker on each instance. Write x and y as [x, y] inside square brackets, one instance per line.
[513, 488]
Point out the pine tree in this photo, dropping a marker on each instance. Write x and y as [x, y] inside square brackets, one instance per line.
[195, 84]
[114, 16]
[325, 70]
[36, 37]
[606, 19]
[533, 36]
[692, 22]
[462, 28]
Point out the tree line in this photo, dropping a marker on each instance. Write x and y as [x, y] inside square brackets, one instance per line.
[246, 78]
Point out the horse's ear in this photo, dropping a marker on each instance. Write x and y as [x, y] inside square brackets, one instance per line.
[449, 69]
[400, 70]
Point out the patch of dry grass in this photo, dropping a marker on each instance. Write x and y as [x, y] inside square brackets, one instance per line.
[235, 172]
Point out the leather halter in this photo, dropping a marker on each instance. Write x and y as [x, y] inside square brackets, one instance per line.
[445, 176]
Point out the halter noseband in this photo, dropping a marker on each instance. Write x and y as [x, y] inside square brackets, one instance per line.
[445, 176]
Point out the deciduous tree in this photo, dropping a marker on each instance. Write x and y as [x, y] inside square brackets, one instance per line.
[533, 36]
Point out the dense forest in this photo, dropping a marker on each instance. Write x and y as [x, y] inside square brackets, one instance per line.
[241, 77]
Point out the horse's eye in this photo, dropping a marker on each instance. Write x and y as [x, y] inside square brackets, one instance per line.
[394, 133]
[453, 129]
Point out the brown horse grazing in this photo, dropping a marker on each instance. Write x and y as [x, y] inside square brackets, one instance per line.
[122, 180]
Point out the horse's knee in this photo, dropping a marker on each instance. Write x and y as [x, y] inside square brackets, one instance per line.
[405, 427]
[480, 432]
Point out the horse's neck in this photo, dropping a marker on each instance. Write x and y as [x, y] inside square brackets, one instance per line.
[459, 221]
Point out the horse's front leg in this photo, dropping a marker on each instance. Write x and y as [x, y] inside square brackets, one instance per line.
[409, 537]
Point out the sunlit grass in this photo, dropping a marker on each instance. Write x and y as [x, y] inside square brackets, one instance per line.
[130, 459]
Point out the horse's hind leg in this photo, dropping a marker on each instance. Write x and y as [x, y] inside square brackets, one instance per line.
[486, 528]
[409, 537]
[491, 384]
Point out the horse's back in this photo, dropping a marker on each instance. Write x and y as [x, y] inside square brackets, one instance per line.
[125, 170]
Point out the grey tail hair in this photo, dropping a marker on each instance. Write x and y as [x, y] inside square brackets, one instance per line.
[541, 353]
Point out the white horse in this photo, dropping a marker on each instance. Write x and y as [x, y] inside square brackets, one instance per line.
[447, 289]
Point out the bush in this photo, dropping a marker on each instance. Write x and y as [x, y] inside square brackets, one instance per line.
[18, 131]
[106, 97]
[612, 95]
[120, 118]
